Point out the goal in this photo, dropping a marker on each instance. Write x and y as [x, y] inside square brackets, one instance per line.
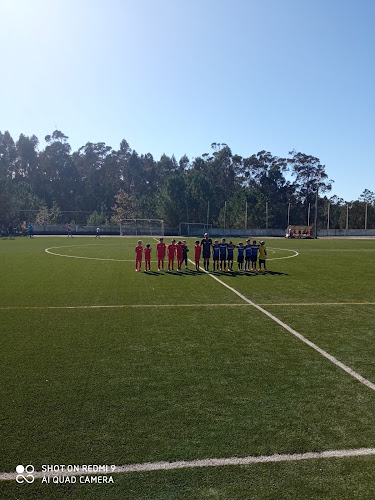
[148, 227]
[193, 228]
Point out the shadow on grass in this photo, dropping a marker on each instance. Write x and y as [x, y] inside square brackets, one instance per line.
[190, 272]
[250, 274]
[182, 274]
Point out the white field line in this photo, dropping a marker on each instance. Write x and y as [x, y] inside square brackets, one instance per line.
[48, 250]
[286, 249]
[328, 356]
[207, 462]
[125, 306]
[122, 306]
[312, 304]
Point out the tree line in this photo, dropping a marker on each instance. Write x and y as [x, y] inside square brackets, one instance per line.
[99, 185]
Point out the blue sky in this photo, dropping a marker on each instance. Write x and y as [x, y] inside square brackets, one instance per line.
[172, 77]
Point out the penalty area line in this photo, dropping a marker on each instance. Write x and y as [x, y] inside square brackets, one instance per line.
[207, 462]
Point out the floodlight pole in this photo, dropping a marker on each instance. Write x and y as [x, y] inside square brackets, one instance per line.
[316, 210]
[366, 217]
[328, 215]
[266, 214]
[245, 217]
[288, 213]
[347, 216]
[225, 212]
[308, 214]
[208, 212]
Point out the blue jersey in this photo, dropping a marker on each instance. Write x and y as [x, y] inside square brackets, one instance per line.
[247, 250]
[230, 252]
[240, 251]
[223, 249]
[254, 250]
[216, 250]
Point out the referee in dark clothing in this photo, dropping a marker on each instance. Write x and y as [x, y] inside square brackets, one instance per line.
[206, 250]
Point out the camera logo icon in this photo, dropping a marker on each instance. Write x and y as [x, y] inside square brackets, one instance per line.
[25, 474]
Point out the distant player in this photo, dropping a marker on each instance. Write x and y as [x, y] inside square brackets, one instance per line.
[206, 250]
[230, 255]
[223, 254]
[184, 253]
[160, 251]
[179, 254]
[254, 255]
[262, 256]
[171, 254]
[197, 254]
[70, 232]
[247, 255]
[240, 256]
[31, 231]
[147, 252]
[216, 254]
[97, 235]
[138, 254]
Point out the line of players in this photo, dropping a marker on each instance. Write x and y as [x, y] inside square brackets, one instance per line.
[222, 254]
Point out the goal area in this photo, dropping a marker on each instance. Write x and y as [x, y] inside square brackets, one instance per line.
[193, 228]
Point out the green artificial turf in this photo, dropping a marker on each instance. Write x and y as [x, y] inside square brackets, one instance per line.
[198, 374]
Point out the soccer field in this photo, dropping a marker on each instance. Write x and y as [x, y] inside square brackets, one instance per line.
[103, 365]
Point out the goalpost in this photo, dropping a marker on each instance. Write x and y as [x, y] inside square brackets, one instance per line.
[193, 228]
[151, 227]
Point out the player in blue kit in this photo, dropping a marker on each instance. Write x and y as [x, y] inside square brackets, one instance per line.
[247, 255]
[216, 254]
[223, 254]
[241, 250]
[230, 249]
[254, 255]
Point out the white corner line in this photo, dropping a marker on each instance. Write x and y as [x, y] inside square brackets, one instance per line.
[206, 462]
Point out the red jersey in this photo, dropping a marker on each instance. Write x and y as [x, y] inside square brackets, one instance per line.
[160, 250]
[197, 252]
[139, 251]
[179, 251]
[147, 252]
[171, 251]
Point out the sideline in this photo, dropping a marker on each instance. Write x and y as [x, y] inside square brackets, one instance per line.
[207, 462]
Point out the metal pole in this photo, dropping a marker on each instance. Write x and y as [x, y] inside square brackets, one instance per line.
[245, 217]
[308, 214]
[225, 212]
[288, 214]
[208, 212]
[366, 217]
[328, 215]
[316, 212]
[347, 216]
[266, 214]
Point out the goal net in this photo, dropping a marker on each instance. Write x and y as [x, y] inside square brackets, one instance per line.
[151, 227]
[193, 228]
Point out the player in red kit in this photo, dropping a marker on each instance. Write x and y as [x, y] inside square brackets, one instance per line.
[197, 254]
[171, 254]
[160, 251]
[138, 253]
[147, 252]
[179, 253]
